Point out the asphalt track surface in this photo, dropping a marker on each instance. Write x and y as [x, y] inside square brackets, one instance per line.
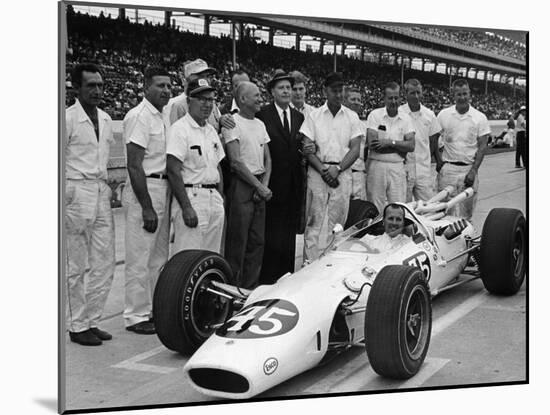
[477, 338]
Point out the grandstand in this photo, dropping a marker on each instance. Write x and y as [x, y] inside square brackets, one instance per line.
[381, 53]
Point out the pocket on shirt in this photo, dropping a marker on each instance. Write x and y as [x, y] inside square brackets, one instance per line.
[197, 157]
[157, 142]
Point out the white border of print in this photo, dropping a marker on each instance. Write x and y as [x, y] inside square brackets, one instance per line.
[29, 208]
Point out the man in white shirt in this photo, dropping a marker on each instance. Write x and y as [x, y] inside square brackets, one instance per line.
[146, 200]
[427, 129]
[250, 161]
[336, 131]
[194, 151]
[352, 100]
[298, 94]
[390, 136]
[464, 136]
[393, 236]
[88, 216]
[521, 138]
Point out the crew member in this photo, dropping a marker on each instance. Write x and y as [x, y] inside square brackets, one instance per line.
[352, 100]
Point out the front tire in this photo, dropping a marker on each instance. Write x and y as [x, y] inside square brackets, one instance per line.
[184, 312]
[398, 322]
[502, 257]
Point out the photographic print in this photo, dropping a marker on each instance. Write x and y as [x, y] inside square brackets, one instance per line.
[258, 207]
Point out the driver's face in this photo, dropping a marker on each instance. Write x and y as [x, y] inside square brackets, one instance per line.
[394, 221]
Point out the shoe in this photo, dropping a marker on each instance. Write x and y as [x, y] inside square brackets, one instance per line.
[143, 327]
[85, 338]
[101, 334]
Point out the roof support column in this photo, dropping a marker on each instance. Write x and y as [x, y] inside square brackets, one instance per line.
[234, 44]
[335, 55]
[271, 36]
[207, 20]
[298, 38]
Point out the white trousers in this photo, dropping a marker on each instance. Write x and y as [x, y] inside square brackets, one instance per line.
[454, 176]
[386, 183]
[324, 203]
[90, 242]
[421, 187]
[208, 205]
[359, 185]
[146, 252]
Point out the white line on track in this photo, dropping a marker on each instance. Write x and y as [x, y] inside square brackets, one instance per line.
[357, 373]
[133, 363]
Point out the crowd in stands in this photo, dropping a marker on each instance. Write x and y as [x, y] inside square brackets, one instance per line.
[477, 39]
[123, 49]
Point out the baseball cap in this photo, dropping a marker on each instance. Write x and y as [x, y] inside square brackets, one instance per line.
[195, 67]
[197, 86]
[333, 79]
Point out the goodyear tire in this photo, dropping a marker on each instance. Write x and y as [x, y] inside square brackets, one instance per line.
[183, 310]
[398, 322]
[360, 210]
[502, 257]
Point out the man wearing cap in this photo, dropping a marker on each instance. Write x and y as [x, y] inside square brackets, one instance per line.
[427, 129]
[352, 100]
[521, 138]
[88, 216]
[194, 151]
[146, 200]
[177, 106]
[248, 153]
[286, 182]
[464, 136]
[390, 135]
[336, 131]
[298, 95]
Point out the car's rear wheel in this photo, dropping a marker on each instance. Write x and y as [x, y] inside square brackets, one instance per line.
[502, 256]
[398, 322]
[185, 313]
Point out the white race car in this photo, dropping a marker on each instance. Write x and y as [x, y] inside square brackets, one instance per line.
[245, 342]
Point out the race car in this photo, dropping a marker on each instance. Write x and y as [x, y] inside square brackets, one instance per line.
[245, 342]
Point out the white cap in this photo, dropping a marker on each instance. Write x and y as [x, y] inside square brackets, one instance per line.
[195, 67]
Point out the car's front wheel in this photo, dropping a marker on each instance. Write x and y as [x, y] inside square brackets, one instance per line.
[185, 312]
[398, 322]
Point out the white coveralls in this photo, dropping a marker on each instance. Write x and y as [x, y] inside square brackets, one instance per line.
[459, 137]
[146, 252]
[200, 151]
[420, 180]
[333, 135]
[88, 218]
[386, 176]
[358, 172]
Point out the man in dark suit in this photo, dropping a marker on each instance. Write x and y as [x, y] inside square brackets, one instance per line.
[282, 211]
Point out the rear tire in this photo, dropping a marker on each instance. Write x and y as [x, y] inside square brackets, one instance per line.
[502, 257]
[183, 310]
[398, 322]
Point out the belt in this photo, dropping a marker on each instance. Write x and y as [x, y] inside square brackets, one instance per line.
[203, 186]
[158, 176]
[357, 171]
[458, 163]
[334, 163]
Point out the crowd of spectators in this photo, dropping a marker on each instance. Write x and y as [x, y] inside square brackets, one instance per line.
[478, 39]
[123, 49]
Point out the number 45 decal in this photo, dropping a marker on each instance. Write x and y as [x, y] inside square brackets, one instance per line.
[261, 319]
[422, 261]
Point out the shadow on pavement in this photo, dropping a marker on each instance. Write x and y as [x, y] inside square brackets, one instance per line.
[48, 403]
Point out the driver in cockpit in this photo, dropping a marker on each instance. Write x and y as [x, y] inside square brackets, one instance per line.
[393, 236]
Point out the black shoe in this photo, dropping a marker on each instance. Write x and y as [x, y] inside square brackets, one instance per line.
[101, 334]
[85, 338]
[143, 327]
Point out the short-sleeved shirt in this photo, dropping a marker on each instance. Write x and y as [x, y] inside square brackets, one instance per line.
[396, 129]
[177, 107]
[252, 136]
[332, 134]
[198, 148]
[86, 154]
[305, 110]
[520, 123]
[425, 124]
[359, 164]
[144, 125]
[460, 133]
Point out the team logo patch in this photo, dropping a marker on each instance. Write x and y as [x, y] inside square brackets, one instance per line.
[270, 366]
[266, 318]
[426, 246]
